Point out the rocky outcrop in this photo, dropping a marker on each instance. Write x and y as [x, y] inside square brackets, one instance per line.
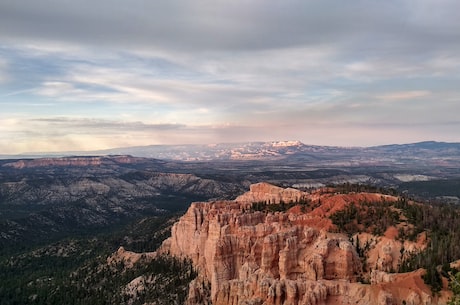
[267, 193]
[289, 258]
[128, 259]
[259, 256]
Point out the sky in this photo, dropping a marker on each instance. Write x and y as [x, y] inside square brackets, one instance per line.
[88, 75]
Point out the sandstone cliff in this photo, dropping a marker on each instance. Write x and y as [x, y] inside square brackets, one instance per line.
[291, 257]
[265, 192]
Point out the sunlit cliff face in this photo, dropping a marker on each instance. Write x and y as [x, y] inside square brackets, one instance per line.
[293, 256]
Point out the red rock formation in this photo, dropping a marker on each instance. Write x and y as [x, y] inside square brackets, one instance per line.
[265, 192]
[287, 258]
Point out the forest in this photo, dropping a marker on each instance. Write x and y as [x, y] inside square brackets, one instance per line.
[441, 221]
[75, 271]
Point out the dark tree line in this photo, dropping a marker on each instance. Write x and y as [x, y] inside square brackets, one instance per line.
[370, 217]
[441, 222]
[74, 271]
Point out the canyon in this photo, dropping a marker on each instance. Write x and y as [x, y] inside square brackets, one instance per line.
[45, 199]
[295, 256]
[332, 231]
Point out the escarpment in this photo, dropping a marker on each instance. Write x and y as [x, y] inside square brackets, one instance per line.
[73, 161]
[294, 256]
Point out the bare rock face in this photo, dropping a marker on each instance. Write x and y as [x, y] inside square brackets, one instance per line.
[128, 258]
[283, 258]
[265, 192]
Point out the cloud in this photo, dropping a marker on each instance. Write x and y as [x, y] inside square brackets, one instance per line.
[85, 124]
[181, 71]
[180, 24]
[231, 25]
[404, 95]
[65, 133]
[3, 71]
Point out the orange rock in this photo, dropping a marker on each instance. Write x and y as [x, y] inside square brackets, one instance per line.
[287, 258]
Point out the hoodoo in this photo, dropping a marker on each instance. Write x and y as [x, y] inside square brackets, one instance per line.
[278, 246]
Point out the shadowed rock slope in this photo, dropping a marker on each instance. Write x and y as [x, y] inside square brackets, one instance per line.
[46, 199]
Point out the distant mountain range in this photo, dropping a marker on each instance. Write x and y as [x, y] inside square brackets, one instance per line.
[429, 150]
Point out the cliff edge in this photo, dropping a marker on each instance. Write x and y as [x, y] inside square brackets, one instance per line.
[294, 255]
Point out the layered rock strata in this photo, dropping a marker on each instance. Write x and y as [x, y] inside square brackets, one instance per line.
[289, 258]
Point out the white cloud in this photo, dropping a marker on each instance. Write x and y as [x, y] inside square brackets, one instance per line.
[57, 89]
[404, 95]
